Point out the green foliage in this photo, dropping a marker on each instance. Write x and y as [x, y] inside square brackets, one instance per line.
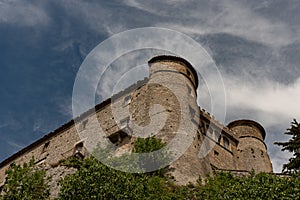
[146, 145]
[72, 162]
[139, 160]
[155, 160]
[94, 180]
[25, 182]
[293, 146]
[261, 186]
[125, 162]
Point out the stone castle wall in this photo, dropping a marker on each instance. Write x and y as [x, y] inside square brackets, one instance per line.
[172, 85]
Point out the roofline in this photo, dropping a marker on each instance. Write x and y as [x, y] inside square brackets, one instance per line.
[176, 59]
[248, 122]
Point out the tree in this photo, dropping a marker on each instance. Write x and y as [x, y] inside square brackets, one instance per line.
[293, 146]
[25, 182]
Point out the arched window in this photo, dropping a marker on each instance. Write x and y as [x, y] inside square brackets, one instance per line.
[226, 142]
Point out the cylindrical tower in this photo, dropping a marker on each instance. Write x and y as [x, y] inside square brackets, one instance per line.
[172, 84]
[252, 151]
[165, 64]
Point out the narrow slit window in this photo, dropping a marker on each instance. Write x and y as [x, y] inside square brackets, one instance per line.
[192, 112]
[46, 145]
[189, 89]
[84, 123]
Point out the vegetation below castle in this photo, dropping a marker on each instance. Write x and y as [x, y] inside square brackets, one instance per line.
[25, 182]
[93, 180]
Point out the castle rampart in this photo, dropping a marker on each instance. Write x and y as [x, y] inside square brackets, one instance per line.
[172, 84]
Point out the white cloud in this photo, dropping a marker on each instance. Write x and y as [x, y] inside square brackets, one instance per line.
[279, 159]
[226, 16]
[273, 103]
[96, 15]
[15, 145]
[65, 106]
[279, 101]
[22, 13]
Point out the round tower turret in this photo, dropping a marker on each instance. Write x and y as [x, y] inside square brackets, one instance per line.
[252, 150]
[172, 84]
[167, 63]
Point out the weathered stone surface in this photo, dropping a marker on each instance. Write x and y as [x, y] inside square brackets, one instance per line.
[57, 173]
[172, 85]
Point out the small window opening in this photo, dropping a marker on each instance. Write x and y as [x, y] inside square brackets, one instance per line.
[127, 100]
[124, 123]
[189, 90]
[192, 112]
[188, 72]
[219, 140]
[46, 145]
[216, 153]
[79, 153]
[79, 146]
[84, 123]
[226, 142]
[119, 138]
[207, 127]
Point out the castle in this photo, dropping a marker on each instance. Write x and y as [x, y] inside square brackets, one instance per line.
[240, 146]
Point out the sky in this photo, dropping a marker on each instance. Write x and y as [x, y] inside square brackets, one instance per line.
[255, 45]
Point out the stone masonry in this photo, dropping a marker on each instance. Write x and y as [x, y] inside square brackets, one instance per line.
[172, 84]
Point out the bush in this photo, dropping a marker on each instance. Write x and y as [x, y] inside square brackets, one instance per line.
[25, 182]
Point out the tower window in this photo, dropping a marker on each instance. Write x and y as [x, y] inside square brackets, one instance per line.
[192, 112]
[189, 89]
[188, 72]
[193, 116]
